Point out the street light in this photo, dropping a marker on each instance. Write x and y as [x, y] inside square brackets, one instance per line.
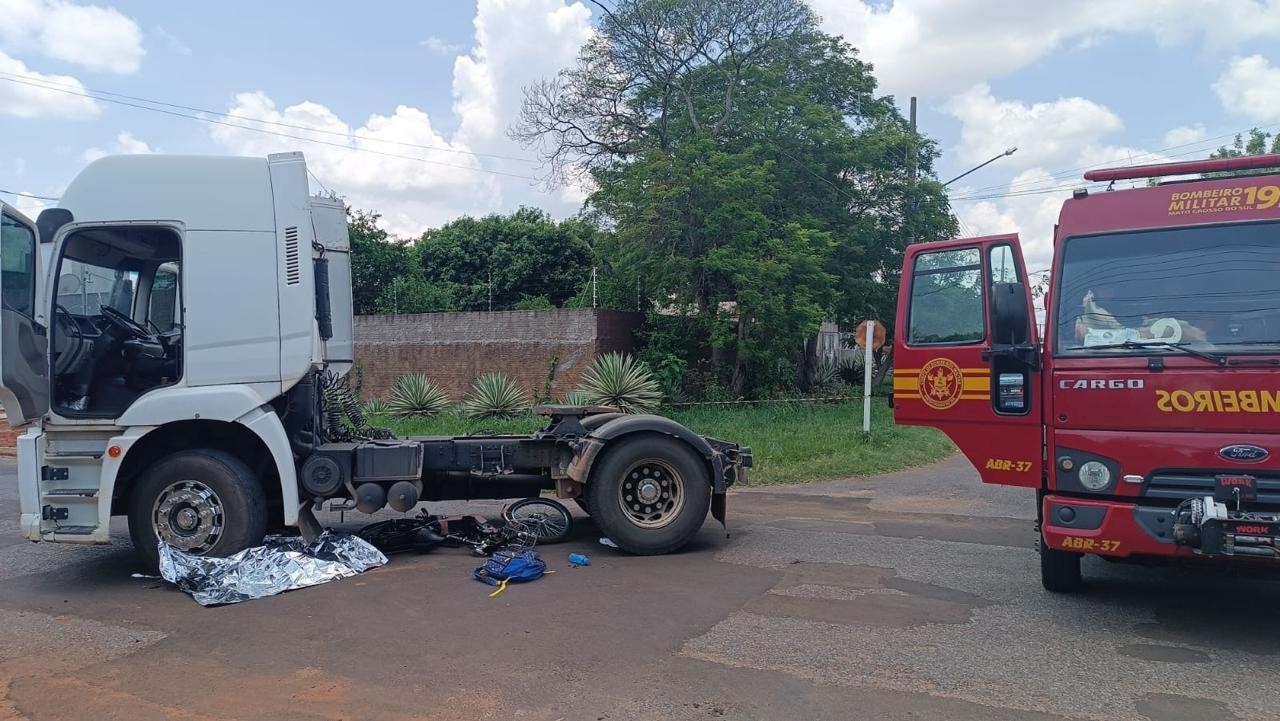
[1010, 151]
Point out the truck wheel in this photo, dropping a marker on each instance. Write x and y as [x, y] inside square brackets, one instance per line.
[203, 501]
[649, 495]
[1059, 570]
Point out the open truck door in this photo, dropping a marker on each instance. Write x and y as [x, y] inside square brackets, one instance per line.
[967, 354]
[24, 360]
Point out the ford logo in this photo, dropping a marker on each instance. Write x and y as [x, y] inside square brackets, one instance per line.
[1244, 453]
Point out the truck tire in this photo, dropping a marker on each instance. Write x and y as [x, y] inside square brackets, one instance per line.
[204, 501]
[1059, 570]
[649, 494]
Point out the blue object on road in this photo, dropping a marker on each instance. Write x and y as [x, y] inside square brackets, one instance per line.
[578, 559]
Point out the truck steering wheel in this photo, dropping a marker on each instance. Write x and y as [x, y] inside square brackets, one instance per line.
[124, 323]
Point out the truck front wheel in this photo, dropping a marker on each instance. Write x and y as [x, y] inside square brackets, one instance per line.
[1059, 570]
[203, 501]
[649, 494]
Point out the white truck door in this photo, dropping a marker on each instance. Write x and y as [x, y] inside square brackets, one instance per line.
[24, 347]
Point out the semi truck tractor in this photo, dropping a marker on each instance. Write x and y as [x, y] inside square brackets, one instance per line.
[1146, 417]
[172, 334]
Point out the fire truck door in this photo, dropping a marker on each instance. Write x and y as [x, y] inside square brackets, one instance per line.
[967, 354]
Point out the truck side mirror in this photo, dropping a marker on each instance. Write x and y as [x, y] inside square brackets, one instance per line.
[50, 221]
[1010, 320]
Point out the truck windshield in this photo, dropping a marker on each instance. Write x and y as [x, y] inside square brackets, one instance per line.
[1206, 288]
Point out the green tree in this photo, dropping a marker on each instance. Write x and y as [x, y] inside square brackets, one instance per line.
[753, 181]
[376, 260]
[411, 293]
[506, 259]
[1257, 143]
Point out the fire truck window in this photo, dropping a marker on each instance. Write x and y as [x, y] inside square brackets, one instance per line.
[1204, 287]
[1003, 267]
[946, 298]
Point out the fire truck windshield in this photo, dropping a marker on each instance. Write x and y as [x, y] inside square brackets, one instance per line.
[1214, 287]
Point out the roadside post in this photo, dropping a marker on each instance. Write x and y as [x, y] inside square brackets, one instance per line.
[869, 336]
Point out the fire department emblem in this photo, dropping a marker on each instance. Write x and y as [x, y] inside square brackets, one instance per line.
[941, 383]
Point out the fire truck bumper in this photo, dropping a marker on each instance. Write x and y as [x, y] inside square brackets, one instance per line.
[1197, 528]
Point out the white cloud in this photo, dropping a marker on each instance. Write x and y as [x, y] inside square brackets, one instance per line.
[373, 164]
[931, 47]
[29, 205]
[1250, 86]
[1184, 135]
[28, 96]
[439, 46]
[1057, 139]
[516, 43]
[98, 38]
[126, 144]
[1044, 132]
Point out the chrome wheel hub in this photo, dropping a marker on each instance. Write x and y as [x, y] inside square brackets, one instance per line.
[652, 494]
[189, 515]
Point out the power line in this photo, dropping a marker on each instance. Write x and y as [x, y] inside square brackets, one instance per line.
[1196, 146]
[92, 92]
[28, 195]
[270, 132]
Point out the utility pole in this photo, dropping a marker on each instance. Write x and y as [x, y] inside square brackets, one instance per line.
[595, 291]
[490, 291]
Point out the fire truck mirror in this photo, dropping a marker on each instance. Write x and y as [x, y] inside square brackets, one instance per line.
[1010, 320]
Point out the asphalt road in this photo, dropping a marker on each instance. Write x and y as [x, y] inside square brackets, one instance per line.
[909, 596]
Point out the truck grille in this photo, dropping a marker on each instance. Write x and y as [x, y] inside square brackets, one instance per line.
[1179, 486]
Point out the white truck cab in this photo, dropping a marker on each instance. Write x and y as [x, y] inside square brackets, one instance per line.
[176, 335]
[166, 300]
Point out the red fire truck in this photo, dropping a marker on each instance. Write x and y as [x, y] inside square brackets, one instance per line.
[1147, 418]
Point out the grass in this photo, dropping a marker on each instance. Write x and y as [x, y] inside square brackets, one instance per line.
[792, 442]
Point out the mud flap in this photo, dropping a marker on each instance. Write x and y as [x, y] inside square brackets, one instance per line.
[308, 524]
[718, 504]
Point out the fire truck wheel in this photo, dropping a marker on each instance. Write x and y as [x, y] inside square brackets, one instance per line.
[649, 494]
[203, 501]
[1059, 570]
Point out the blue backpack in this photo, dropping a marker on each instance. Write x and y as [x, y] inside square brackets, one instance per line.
[505, 567]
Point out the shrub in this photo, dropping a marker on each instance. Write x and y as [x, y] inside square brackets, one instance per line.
[577, 397]
[376, 407]
[495, 395]
[827, 374]
[618, 380]
[416, 395]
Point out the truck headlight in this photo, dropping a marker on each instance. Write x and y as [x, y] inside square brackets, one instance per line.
[1094, 475]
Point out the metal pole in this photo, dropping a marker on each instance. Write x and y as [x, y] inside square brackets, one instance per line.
[866, 378]
[595, 294]
[491, 291]
[1005, 154]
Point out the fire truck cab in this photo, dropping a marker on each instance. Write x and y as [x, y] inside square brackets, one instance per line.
[1146, 415]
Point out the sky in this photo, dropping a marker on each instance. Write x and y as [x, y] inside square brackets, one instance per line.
[403, 108]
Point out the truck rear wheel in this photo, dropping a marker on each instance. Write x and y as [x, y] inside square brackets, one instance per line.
[203, 501]
[1059, 570]
[649, 495]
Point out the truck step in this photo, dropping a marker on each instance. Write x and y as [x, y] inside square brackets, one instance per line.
[64, 492]
[74, 530]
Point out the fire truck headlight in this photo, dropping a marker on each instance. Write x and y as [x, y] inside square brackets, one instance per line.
[1094, 475]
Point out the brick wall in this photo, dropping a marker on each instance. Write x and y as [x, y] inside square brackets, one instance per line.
[9, 436]
[456, 348]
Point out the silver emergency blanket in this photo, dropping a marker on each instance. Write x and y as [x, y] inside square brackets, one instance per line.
[280, 564]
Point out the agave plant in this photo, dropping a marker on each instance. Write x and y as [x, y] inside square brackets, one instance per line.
[495, 395]
[416, 395]
[827, 374]
[621, 381]
[376, 407]
[577, 397]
